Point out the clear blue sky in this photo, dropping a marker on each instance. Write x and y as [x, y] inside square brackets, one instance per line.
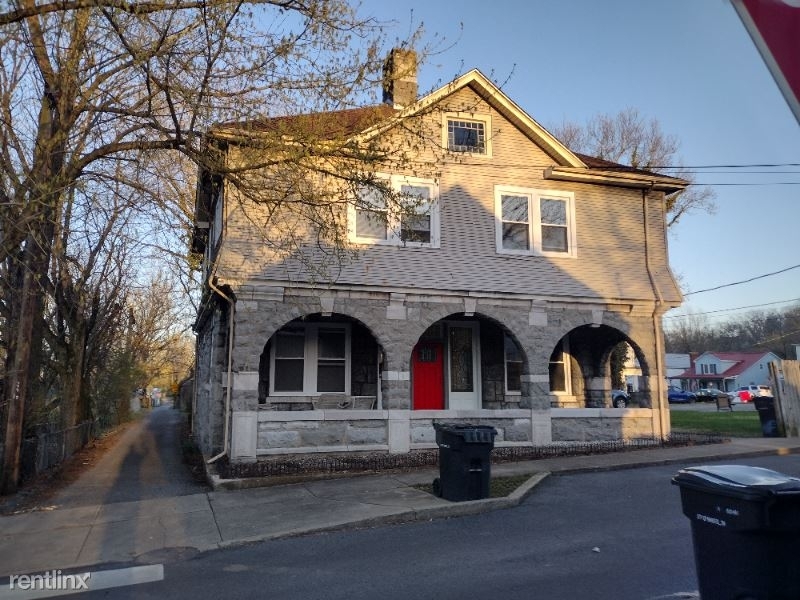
[688, 63]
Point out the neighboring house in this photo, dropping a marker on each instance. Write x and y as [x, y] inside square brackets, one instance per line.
[676, 365]
[498, 301]
[632, 372]
[728, 371]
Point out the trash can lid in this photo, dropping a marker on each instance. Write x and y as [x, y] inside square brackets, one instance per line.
[738, 480]
[471, 434]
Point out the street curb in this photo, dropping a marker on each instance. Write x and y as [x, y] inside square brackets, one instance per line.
[674, 461]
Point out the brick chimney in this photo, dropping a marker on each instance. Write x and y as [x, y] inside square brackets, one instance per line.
[400, 78]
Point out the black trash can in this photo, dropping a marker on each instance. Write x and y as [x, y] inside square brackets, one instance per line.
[464, 461]
[765, 405]
[745, 531]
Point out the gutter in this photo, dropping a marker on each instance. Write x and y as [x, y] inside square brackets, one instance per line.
[226, 425]
[656, 325]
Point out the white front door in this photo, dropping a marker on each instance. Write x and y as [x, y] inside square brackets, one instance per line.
[463, 366]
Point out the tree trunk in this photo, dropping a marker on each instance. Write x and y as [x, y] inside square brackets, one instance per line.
[20, 327]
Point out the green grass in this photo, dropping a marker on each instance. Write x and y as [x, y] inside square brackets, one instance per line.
[499, 487]
[734, 424]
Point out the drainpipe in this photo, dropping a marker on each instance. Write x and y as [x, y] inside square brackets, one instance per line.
[226, 426]
[656, 323]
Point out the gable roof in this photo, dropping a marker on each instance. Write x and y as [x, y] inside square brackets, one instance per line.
[365, 123]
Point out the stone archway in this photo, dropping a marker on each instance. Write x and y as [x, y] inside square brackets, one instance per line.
[580, 370]
[327, 361]
[467, 363]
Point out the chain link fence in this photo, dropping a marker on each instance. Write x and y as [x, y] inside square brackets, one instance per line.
[51, 448]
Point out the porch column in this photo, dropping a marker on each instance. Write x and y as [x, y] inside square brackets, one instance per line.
[396, 389]
[595, 391]
[536, 391]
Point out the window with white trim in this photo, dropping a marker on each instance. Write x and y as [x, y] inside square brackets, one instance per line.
[409, 218]
[559, 369]
[463, 133]
[466, 136]
[535, 222]
[310, 359]
[513, 362]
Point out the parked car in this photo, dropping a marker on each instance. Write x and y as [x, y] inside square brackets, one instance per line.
[747, 392]
[676, 394]
[620, 398]
[711, 394]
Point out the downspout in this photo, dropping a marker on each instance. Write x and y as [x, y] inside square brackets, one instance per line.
[226, 426]
[656, 323]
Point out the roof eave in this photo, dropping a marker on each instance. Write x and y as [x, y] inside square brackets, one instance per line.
[653, 181]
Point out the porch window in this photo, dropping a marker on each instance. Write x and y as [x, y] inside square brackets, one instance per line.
[406, 215]
[331, 360]
[535, 222]
[559, 369]
[289, 360]
[513, 367]
[310, 359]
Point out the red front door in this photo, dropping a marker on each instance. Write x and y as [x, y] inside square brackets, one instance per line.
[427, 372]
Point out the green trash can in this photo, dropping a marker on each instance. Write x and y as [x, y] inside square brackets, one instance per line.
[464, 461]
[745, 531]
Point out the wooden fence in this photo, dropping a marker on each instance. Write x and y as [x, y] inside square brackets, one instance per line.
[787, 396]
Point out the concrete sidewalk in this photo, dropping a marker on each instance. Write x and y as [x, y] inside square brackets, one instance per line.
[63, 538]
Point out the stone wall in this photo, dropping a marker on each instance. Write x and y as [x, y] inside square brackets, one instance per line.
[314, 431]
[207, 413]
[602, 424]
[397, 322]
[393, 431]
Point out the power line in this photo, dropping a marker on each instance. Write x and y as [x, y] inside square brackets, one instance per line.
[711, 312]
[725, 285]
[751, 184]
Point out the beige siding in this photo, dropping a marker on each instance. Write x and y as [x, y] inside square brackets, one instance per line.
[610, 262]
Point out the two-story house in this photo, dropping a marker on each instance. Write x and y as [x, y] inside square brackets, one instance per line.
[728, 371]
[494, 296]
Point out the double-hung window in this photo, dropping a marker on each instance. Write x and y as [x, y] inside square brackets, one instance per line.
[371, 216]
[310, 359]
[513, 366]
[531, 221]
[407, 214]
[559, 369]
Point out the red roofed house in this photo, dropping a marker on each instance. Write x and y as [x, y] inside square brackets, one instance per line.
[729, 370]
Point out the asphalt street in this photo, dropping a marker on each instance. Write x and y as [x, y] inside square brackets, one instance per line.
[617, 535]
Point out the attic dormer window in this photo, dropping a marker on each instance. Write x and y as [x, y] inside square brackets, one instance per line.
[466, 136]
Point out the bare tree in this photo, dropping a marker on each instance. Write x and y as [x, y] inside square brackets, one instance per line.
[775, 331]
[88, 87]
[630, 139]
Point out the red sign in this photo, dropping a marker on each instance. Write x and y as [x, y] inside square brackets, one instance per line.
[774, 26]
